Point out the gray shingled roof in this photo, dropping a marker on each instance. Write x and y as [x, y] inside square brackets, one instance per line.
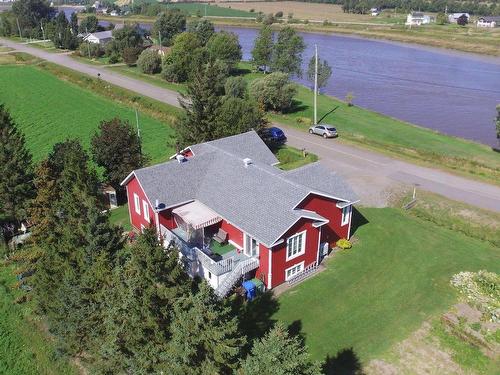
[258, 198]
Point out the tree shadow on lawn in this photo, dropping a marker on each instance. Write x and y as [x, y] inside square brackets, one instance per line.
[358, 220]
[346, 362]
[256, 316]
[296, 106]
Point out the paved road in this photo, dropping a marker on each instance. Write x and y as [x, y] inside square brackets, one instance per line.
[372, 175]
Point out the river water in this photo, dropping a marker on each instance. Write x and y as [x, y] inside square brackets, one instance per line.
[452, 92]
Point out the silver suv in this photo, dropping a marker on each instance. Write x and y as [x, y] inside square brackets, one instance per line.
[326, 131]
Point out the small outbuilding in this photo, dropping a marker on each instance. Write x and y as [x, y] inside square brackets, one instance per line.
[488, 22]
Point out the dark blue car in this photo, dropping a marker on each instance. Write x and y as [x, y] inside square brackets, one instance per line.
[273, 136]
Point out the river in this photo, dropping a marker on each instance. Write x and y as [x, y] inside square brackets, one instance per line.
[452, 92]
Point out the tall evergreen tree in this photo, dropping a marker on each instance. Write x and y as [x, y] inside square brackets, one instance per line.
[278, 353]
[204, 97]
[263, 48]
[203, 28]
[287, 52]
[74, 24]
[16, 171]
[81, 297]
[205, 336]
[147, 282]
[117, 148]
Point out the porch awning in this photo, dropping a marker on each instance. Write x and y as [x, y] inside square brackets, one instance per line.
[197, 215]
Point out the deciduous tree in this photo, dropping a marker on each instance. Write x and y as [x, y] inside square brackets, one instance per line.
[16, 171]
[89, 24]
[204, 29]
[263, 48]
[287, 52]
[225, 46]
[237, 115]
[116, 148]
[168, 25]
[177, 65]
[274, 92]
[324, 72]
[149, 62]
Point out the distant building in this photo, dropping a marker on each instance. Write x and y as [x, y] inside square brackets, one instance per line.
[488, 22]
[453, 17]
[162, 51]
[375, 12]
[101, 37]
[417, 19]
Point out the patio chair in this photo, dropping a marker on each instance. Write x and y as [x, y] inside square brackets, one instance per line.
[221, 236]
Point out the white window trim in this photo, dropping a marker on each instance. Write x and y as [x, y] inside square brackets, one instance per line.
[142, 228]
[145, 208]
[346, 217]
[303, 251]
[245, 250]
[137, 204]
[301, 265]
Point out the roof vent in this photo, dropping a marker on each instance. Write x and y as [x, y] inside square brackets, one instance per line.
[180, 158]
[247, 162]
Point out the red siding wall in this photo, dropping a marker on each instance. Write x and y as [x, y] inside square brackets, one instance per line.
[327, 208]
[233, 233]
[263, 270]
[167, 219]
[279, 262]
[136, 219]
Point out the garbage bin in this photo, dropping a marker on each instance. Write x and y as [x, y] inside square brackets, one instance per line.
[250, 289]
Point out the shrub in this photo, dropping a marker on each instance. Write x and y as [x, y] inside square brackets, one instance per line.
[279, 14]
[114, 57]
[304, 121]
[252, 10]
[92, 49]
[130, 55]
[344, 244]
[269, 19]
[149, 62]
[274, 92]
[236, 87]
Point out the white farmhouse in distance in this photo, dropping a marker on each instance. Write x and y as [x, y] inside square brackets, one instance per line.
[101, 37]
[488, 22]
[417, 19]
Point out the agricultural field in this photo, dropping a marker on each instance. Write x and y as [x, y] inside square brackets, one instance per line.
[313, 11]
[395, 278]
[211, 10]
[59, 110]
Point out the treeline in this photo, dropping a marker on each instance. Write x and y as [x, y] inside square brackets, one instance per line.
[120, 304]
[479, 8]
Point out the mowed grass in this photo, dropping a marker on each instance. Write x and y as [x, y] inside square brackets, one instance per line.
[49, 110]
[374, 295]
[211, 10]
[120, 216]
[24, 349]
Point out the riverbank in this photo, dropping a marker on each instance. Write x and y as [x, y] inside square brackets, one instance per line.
[466, 39]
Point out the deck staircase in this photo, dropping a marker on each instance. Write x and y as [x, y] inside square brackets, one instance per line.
[237, 273]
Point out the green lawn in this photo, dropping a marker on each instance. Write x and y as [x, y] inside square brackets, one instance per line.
[120, 216]
[49, 110]
[211, 10]
[291, 158]
[24, 349]
[375, 294]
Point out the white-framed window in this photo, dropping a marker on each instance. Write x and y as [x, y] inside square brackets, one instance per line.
[251, 246]
[294, 270]
[146, 210]
[346, 214]
[137, 204]
[296, 245]
[142, 228]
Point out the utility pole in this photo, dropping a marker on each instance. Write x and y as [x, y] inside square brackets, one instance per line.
[316, 85]
[159, 38]
[137, 123]
[19, 28]
[43, 31]
[88, 43]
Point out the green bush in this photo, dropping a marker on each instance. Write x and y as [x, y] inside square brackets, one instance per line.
[344, 244]
[274, 92]
[236, 87]
[130, 55]
[149, 62]
[92, 49]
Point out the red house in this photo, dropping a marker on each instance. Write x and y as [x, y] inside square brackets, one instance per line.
[233, 214]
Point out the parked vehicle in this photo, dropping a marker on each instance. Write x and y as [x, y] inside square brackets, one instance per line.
[273, 136]
[326, 131]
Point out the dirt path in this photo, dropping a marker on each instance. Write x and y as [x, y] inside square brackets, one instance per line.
[374, 176]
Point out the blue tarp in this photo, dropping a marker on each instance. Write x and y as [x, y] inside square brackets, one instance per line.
[251, 289]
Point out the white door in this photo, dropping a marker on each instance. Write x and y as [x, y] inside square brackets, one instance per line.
[251, 246]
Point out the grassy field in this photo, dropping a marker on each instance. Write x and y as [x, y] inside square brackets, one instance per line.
[374, 295]
[120, 216]
[24, 349]
[59, 110]
[375, 131]
[210, 10]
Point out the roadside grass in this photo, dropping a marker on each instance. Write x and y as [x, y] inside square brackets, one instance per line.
[59, 110]
[24, 349]
[291, 158]
[463, 353]
[120, 216]
[456, 216]
[374, 295]
[5, 49]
